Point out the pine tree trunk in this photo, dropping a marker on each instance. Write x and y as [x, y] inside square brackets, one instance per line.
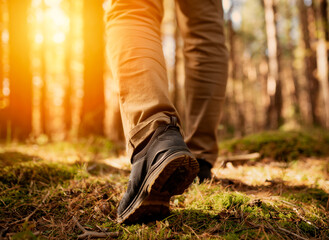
[93, 103]
[2, 97]
[240, 122]
[291, 48]
[44, 119]
[325, 21]
[20, 74]
[68, 59]
[322, 58]
[310, 61]
[274, 111]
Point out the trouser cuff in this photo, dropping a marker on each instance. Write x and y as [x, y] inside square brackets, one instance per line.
[143, 130]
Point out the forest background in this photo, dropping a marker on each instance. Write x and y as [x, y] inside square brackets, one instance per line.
[63, 169]
[55, 83]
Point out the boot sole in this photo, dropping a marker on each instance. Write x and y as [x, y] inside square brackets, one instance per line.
[167, 178]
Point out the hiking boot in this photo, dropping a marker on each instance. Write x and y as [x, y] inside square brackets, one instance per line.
[205, 170]
[163, 168]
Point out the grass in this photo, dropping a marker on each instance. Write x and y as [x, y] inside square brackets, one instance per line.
[42, 187]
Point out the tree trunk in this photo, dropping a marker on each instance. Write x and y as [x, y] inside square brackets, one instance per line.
[325, 21]
[291, 47]
[240, 123]
[68, 60]
[274, 111]
[44, 118]
[93, 103]
[20, 74]
[322, 57]
[2, 97]
[310, 61]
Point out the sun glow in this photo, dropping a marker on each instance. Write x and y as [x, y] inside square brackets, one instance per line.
[58, 17]
[59, 37]
[51, 21]
[38, 38]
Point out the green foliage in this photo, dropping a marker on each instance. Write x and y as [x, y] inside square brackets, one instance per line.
[281, 145]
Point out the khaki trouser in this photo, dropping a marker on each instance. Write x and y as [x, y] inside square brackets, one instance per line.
[137, 62]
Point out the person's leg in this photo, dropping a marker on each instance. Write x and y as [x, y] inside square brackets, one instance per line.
[206, 66]
[162, 165]
[136, 59]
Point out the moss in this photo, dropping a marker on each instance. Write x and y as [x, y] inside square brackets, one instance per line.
[217, 200]
[309, 195]
[43, 173]
[308, 229]
[233, 200]
[281, 145]
[11, 158]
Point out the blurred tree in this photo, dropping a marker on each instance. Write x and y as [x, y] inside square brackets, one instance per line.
[68, 60]
[20, 75]
[290, 47]
[93, 103]
[44, 114]
[323, 5]
[240, 120]
[322, 57]
[2, 97]
[307, 26]
[274, 111]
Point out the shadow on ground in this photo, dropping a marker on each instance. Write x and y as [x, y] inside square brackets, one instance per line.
[11, 158]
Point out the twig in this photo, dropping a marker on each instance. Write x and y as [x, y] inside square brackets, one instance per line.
[295, 208]
[294, 234]
[9, 189]
[263, 229]
[92, 234]
[243, 157]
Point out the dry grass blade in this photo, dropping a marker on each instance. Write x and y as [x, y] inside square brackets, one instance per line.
[291, 233]
[192, 230]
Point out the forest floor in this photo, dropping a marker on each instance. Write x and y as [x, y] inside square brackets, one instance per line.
[54, 190]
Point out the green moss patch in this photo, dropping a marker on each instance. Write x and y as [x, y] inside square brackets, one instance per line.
[280, 145]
